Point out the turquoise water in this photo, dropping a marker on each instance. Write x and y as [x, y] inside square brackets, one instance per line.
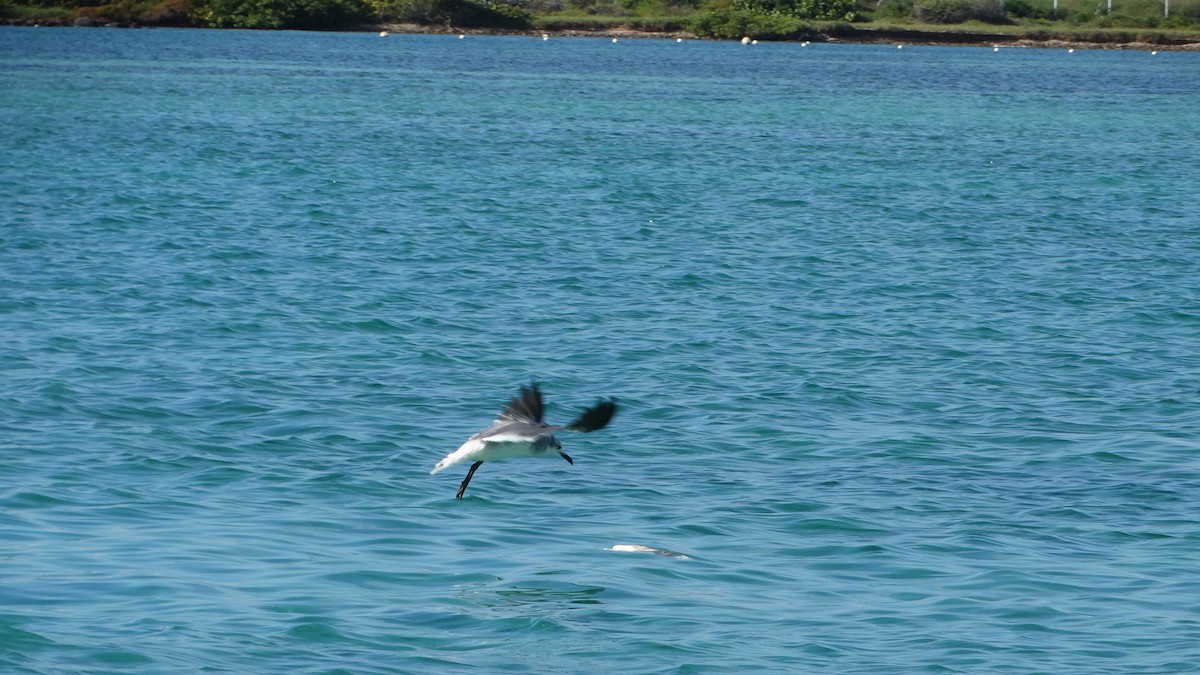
[907, 344]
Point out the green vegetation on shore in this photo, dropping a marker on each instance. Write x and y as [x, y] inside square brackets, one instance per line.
[950, 21]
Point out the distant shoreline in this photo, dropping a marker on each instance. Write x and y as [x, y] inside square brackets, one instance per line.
[842, 35]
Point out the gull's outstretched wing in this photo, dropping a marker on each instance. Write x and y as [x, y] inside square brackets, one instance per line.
[526, 407]
[594, 418]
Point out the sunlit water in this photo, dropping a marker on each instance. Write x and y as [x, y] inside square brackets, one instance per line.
[906, 343]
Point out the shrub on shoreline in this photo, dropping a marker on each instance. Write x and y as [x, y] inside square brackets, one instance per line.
[732, 24]
[301, 14]
[958, 11]
[460, 13]
[813, 10]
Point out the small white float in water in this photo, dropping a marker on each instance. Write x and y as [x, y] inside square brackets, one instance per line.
[746, 40]
[383, 33]
[638, 548]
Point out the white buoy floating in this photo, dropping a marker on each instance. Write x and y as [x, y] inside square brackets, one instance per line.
[545, 37]
[996, 48]
[1153, 53]
[745, 40]
[1071, 50]
[678, 40]
[462, 36]
[900, 46]
[383, 33]
[614, 40]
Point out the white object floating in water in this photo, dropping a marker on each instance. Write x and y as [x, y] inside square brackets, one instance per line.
[383, 33]
[545, 37]
[638, 548]
[461, 36]
[1153, 52]
[754, 42]
[614, 39]
[899, 46]
[678, 40]
[745, 40]
[1071, 50]
[996, 49]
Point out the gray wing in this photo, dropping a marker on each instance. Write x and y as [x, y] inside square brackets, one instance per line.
[514, 432]
[522, 418]
[526, 407]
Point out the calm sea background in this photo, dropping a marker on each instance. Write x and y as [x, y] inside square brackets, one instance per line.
[907, 344]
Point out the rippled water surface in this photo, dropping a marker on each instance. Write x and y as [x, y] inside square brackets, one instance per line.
[906, 343]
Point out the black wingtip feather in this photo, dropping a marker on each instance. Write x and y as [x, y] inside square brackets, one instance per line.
[594, 418]
[527, 405]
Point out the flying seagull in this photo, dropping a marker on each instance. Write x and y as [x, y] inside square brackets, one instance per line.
[520, 431]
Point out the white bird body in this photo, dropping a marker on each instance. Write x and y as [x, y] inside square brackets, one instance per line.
[519, 431]
[497, 446]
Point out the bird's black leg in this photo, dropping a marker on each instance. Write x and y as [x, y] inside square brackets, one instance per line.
[463, 488]
[567, 457]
